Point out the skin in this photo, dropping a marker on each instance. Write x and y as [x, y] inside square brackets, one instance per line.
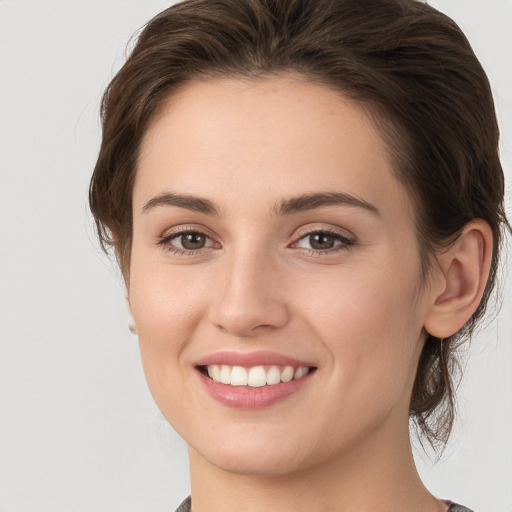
[358, 311]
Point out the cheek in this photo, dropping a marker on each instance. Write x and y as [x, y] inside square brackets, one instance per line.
[167, 306]
[370, 321]
[167, 312]
[370, 301]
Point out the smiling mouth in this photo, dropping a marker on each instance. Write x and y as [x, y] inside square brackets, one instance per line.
[256, 376]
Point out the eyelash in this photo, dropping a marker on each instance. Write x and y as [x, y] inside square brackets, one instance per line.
[164, 242]
[345, 242]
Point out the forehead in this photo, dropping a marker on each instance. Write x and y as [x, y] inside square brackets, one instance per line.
[226, 138]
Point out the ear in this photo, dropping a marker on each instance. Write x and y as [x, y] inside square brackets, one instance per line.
[459, 287]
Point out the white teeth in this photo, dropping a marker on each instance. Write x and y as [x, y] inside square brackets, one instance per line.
[273, 375]
[256, 376]
[238, 376]
[300, 372]
[287, 374]
[225, 374]
[216, 372]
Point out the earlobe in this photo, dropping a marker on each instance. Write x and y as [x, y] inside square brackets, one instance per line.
[131, 324]
[465, 270]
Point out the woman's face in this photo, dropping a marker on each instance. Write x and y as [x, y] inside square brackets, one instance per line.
[270, 236]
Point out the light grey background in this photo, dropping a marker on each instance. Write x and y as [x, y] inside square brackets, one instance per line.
[78, 429]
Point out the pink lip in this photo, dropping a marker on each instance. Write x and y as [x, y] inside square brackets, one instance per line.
[245, 397]
[250, 359]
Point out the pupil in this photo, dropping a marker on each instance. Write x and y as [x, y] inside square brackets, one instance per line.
[321, 241]
[193, 241]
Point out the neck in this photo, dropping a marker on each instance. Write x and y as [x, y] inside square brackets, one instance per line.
[378, 475]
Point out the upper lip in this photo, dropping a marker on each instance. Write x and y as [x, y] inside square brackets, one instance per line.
[250, 359]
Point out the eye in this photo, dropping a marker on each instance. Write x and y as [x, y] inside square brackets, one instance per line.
[191, 240]
[186, 241]
[323, 241]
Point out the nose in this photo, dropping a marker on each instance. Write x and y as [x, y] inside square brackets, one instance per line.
[250, 299]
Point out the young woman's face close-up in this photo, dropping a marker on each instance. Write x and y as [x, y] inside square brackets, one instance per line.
[271, 235]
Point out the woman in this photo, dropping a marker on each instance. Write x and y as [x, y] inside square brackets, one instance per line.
[306, 202]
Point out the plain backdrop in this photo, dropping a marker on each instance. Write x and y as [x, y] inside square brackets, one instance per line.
[79, 431]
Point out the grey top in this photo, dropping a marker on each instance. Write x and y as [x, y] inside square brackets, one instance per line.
[185, 507]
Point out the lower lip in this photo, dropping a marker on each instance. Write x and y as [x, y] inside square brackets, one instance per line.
[246, 397]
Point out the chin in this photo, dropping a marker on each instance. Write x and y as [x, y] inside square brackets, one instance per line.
[258, 463]
[251, 455]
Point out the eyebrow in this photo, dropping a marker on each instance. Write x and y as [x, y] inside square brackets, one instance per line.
[196, 204]
[317, 200]
[284, 207]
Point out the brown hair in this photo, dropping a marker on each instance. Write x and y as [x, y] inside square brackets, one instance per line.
[408, 64]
